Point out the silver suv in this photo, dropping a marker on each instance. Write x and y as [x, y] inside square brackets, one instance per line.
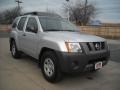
[57, 44]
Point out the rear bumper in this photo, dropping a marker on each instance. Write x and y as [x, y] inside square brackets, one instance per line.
[76, 62]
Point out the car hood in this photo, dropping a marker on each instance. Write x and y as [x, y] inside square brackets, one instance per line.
[74, 36]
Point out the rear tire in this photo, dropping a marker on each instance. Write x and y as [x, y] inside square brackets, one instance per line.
[50, 67]
[14, 51]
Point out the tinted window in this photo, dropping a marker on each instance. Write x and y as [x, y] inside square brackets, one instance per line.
[21, 23]
[31, 25]
[15, 23]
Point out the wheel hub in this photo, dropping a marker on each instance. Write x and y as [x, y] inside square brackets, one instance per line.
[48, 67]
[13, 49]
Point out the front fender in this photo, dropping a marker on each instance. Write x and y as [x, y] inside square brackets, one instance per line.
[53, 44]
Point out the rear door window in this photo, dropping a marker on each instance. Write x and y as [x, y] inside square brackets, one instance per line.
[21, 23]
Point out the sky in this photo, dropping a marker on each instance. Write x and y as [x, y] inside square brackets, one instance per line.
[109, 10]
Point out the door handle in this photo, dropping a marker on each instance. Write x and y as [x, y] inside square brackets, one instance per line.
[24, 34]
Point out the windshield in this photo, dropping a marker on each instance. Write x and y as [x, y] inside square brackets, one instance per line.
[56, 24]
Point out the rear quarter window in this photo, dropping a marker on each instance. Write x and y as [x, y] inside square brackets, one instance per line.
[14, 24]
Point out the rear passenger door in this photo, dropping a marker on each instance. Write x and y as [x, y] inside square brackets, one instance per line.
[20, 32]
[31, 37]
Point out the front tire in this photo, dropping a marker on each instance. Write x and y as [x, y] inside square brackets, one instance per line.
[15, 53]
[50, 68]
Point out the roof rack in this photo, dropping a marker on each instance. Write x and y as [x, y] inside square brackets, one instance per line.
[31, 13]
[43, 14]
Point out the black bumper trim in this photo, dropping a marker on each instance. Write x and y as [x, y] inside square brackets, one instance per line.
[76, 62]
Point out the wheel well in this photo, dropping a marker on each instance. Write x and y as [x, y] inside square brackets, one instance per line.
[11, 39]
[44, 49]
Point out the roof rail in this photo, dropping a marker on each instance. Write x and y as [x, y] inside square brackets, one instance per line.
[31, 13]
[42, 14]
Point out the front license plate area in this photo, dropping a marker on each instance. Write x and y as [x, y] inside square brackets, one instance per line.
[98, 65]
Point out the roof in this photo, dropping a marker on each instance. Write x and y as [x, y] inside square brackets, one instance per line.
[43, 14]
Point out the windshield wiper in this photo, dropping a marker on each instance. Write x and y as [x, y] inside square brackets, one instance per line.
[61, 30]
[71, 30]
[53, 30]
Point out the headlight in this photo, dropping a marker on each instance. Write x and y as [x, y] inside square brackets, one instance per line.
[73, 47]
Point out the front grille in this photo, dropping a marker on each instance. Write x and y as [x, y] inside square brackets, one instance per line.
[95, 46]
[102, 45]
[89, 46]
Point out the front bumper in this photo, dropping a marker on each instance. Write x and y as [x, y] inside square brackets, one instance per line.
[76, 62]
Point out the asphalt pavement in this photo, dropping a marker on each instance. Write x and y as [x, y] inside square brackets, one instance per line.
[4, 34]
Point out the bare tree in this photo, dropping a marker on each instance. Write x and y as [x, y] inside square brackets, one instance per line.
[7, 16]
[81, 12]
